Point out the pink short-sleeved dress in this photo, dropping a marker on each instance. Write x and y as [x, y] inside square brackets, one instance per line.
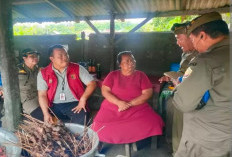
[133, 124]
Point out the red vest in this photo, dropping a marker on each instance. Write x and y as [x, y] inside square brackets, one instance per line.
[74, 81]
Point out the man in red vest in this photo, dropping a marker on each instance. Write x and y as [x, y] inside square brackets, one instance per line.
[60, 87]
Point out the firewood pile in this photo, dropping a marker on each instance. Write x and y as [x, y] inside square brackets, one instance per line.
[42, 139]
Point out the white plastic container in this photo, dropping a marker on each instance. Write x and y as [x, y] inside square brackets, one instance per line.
[76, 128]
[8, 139]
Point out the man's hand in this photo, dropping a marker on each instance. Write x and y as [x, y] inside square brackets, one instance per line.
[48, 118]
[122, 106]
[80, 106]
[175, 82]
[164, 79]
[1, 92]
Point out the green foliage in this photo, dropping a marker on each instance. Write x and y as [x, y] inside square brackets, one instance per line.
[156, 24]
[160, 24]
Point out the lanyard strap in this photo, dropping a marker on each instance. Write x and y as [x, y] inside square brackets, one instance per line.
[63, 81]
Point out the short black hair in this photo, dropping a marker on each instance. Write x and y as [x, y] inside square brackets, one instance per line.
[57, 46]
[214, 29]
[120, 54]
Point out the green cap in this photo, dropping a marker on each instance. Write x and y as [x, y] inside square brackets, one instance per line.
[203, 19]
[179, 28]
[29, 51]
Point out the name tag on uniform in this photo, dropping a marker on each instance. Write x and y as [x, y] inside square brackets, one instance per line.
[62, 96]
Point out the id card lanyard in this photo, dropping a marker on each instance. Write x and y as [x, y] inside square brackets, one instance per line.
[62, 95]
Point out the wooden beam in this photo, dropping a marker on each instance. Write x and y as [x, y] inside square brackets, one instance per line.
[9, 72]
[111, 42]
[134, 29]
[140, 25]
[91, 25]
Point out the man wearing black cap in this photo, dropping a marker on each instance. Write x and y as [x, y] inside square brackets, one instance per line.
[184, 42]
[27, 74]
[207, 126]
[174, 118]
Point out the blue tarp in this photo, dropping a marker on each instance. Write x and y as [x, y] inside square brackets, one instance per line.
[175, 67]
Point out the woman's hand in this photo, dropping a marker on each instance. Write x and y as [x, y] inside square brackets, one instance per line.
[1, 92]
[175, 82]
[146, 94]
[122, 106]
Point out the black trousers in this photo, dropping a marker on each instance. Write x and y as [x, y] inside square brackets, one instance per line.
[64, 112]
[37, 113]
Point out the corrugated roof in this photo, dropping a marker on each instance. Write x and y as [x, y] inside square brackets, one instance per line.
[66, 10]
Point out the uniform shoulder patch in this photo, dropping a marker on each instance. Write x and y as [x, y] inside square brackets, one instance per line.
[22, 71]
[187, 73]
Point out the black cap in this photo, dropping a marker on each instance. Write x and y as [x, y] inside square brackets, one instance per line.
[180, 28]
[203, 19]
[28, 51]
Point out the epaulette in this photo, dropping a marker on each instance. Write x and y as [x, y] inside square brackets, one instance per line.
[23, 72]
[21, 69]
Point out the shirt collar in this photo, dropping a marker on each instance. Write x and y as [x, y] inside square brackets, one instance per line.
[221, 43]
[57, 71]
[28, 69]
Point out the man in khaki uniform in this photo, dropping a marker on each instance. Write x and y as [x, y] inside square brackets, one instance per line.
[27, 74]
[207, 129]
[184, 42]
[174, 118]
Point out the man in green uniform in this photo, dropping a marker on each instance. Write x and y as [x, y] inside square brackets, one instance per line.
[27, 74]
[174, 118]
[184, 42]
[207, 126]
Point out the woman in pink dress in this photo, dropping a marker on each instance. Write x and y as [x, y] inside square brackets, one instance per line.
[125, 116]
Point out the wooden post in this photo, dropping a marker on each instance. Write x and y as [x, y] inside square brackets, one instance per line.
[111, 41]
[128, 150]
[134, 29]
[9, 73]
[92, 26]
[83, 46]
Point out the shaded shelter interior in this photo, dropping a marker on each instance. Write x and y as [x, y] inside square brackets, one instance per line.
[154, 52]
